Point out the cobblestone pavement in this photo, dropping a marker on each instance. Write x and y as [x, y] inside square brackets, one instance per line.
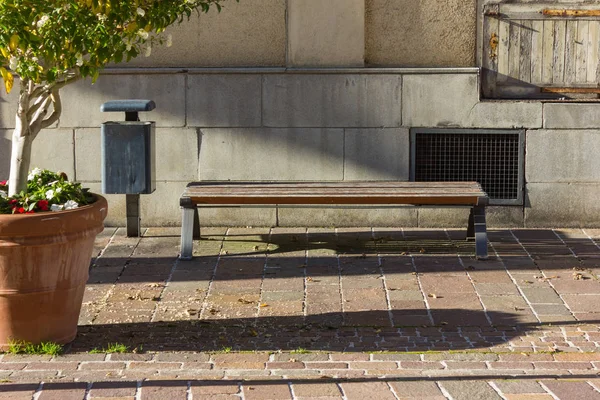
[293, 313]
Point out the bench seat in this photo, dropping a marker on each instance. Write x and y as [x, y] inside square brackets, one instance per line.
[336, 193]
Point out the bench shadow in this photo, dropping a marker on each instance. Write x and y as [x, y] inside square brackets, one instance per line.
[335, 331]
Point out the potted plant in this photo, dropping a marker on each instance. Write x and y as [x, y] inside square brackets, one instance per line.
[48, 224]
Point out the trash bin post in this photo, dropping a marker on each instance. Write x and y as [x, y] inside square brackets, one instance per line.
[128, 157]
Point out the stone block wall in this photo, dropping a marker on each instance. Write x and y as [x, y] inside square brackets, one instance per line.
[331, 124]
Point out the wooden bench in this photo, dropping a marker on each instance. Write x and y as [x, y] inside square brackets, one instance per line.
[335, 193]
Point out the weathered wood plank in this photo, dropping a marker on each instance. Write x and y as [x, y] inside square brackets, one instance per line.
[537, 51]
[503, 50]
[548, 52]
[581, 50]
[570, 60]
[525, 51]
[558, 54]
[592, 51]
[514, 49]
[490, 56]
[571, 90]
[570, 13]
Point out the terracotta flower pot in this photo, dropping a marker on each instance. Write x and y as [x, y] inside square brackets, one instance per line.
[44, 264]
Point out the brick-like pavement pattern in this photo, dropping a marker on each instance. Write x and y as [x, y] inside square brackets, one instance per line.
[294, 313]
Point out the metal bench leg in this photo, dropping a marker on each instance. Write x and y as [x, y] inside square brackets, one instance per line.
[471, 226]
[187, 233]
[481, 250]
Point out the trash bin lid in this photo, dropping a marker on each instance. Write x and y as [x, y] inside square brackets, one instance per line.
[134, 105]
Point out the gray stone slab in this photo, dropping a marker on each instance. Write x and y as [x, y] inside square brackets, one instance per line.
[377, 154]
[347, 217]
[8, 106]
[568, 205]
[571, 116]
[453, 101]
[443, 217]
[5, 148]
[332, 100]
[505, 115]
[438, 100]
[230, 216]
[82, 100]
[176, 154]
[52, 149]
[563, 156]
[341, 22]
[457, 217]
[224, 100]
[271, 154]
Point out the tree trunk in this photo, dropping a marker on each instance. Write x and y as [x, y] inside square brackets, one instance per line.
[19, 160]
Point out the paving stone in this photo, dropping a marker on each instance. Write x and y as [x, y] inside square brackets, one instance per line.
[519, 387]
[572, 390]
[318, 390]
[275, 391]
[542, 295]
[361, 390]
[113, 389]
[63, 391]
[470, 390]
[418, 389]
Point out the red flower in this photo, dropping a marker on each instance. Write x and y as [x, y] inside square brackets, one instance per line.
[43, 205]
[20, 210]
[30, 212]
[3, 183]
[13, 201]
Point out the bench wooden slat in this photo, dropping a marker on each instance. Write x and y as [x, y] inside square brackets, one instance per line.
[386, 192]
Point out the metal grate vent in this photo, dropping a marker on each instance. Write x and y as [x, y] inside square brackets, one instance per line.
[492, 158]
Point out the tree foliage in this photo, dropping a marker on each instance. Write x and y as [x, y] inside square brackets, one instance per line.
[47, 41]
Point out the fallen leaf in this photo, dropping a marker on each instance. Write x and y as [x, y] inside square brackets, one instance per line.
[191, 312]
[252, 332]
[264, 305]
[302, 266]
[213, 311]
[422, 251]
[435, 296]
[256, 247]
[527, 282]
[244, 301]
[403, 253]
[470, 268]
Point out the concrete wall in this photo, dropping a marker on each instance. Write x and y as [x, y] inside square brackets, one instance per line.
[321, 125]
[420, 33]
[248, 33]
[302, 33]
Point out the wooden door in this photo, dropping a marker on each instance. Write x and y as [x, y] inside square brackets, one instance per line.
[541, 50]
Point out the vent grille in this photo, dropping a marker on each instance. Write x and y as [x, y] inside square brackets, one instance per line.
[492, 158]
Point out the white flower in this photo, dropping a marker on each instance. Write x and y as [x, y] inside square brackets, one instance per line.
[148, 50]
[35, 172]
[3, 193]
[140, 12]
[50, 194]
[71, 205]
[169, 40]
[31, 68]
[58, 190]
[56, 207]
[13, 63]
[79, 57]
[42, 21]
[143, 34]
[101, 17]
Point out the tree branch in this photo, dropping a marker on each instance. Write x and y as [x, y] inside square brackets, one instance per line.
[37, 104]
[36, 122]
[57, 105]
